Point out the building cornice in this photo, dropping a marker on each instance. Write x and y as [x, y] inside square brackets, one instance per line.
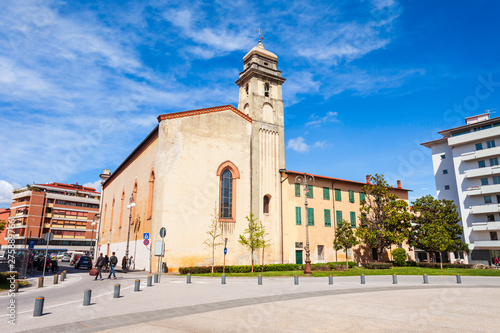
[204, 111]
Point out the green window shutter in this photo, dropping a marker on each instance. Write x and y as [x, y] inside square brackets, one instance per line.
[328, 218]
[298, 216]
[361, 196]
[310, 216]
[351, 196]
[353, 220]
[297, 190]
[326, 193]
[339, 218]
[338, 196]
[310, 192]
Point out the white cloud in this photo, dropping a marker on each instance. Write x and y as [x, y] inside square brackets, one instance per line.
[298, 145]
[330, 117]
[5, 193]
[96, 185]
[320, 144]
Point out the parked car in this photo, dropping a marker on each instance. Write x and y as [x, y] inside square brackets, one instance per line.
[84, 262]
[74, 257]
[65, 257]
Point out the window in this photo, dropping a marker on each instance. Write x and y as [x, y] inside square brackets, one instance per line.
[298, 216]
[266, 204]
[361, 196]
[353, 220]
[447, 187]
[351, 196]
[297, 190]
[134, 194]
[487, 199]
[326, 193]
[493, 235]
[490, 217]
[443, 156]
[321, 252]
[338, 196]
[479, 146]
[121, 210]
[445, 171]
[150, 194]
[481, 164]
[246, 89]
[498, 199]
[309, 193]
[491, 144]
[310, 216]
[226, 195]
[484, 181]
[496, 180]
[493, 161]
[266, 89]
[339, 218]
[363, 219]
[328, 218]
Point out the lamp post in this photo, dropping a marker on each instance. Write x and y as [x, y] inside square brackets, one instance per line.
[92, 246]
[129, 206]
[306, 180]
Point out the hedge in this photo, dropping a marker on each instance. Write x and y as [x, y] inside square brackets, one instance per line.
[377, 265]
[5, 275]
[267, 268]
[445, 265]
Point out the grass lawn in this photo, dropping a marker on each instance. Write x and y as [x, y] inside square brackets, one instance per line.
[356, 271]
[6, 286]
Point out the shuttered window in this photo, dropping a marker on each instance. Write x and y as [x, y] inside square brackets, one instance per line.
[310, 216]
[310, 191]
[298, 216]
[361, 196]
[338, 196]
[297, 190]
[326, 193]
[353, 220]
[328, 218]
[339, 218]
[351, 196]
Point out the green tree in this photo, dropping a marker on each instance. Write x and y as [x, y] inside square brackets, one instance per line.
[385, 219]
[255, 234]
[345, 239]
[3, 223]
[399, 256]
[436, 226]
[214, 234]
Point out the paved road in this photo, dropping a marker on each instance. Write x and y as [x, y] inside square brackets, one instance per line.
[277, 305]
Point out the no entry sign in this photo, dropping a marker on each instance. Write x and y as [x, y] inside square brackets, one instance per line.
[146, 242]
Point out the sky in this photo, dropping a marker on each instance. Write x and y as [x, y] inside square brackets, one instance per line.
[82, 82]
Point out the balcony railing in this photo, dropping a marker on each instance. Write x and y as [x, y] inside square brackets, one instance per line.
[486, 226]
[487, 244]
[484, 189]
[473, 136]
[485, 209]
[482, 172]
[483, 153]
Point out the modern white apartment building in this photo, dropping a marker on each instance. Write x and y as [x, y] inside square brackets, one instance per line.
[467, 171]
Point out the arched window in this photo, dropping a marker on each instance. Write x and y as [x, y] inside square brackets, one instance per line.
[266, 89]
[134, 194]
[150, 195]
[112, 213]
[121, 210]
[226, 195]
[246, 88]
[266, 204]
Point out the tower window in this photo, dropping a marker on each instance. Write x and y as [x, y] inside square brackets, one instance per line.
[266, 204]
[246, 89]
[266, 89]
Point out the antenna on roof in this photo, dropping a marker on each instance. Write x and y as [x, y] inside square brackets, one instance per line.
[491, 110]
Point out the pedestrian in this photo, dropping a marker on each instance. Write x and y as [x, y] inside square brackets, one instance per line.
[98, 265]
[131, 262]
[124, 263]
[106, 262]
[112, 263]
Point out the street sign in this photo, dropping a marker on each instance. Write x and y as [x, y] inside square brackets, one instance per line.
[225, 250]
[159, 248]
[146, 235]
[31, 245]
[146, 242]
[48, 236]
[163, 232]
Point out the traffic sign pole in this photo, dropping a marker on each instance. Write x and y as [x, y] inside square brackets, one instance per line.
[225, 252]
[163, 233]
[48, 237]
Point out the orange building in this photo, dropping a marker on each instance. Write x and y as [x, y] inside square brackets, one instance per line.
[4, 217]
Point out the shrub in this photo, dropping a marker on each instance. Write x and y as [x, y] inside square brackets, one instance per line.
[437, 265]
[399, 256]
[377, 265]
[334, 265]
[239, 268]
[5, 275]
[320, 267]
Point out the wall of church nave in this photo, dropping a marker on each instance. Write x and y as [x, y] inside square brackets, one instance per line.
[136, 249]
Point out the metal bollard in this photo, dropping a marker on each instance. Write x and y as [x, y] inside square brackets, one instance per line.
[459, 278]
[330, 279]
[86, 297]
[62, 277]
[16, 286]
[394, 279]
[188, 278]
[117, 291]
[40, 282]
[259, 280]
[150, 281]
[56, 279]
[64, 272]
[38, 306]
[296, 280]
[362, 279]
[156, 277]
[137, 286]
[426, 280]
[223, 279]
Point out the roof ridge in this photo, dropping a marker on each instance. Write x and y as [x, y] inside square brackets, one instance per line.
[202, 111]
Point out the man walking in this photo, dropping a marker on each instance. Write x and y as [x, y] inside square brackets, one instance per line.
[112, 263]
[98, 265]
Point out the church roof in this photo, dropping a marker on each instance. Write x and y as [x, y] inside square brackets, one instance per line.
[202, 111]
[259, 49]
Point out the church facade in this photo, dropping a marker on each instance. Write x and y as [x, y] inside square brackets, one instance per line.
[232, 161]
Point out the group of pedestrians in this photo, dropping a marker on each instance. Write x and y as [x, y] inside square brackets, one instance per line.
[102, 262]
[496, 261]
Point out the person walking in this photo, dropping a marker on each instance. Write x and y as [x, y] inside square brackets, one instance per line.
[106, 262]
[124, 263]
[131, 262]
[98, 265]
[112, 263]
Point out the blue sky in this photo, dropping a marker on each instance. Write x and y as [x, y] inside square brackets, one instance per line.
[82, 82]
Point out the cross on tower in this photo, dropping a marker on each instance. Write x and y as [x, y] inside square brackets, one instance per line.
[260, 32]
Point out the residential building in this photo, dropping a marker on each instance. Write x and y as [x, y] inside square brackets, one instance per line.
[4, 216]
[467, 171]
[69, 212]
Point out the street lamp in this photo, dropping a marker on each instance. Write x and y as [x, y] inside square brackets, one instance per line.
[306, 180]
[92, 246]
[129, 206]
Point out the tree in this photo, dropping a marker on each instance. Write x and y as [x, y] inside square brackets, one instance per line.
[214, 233]
[345, 239]
[436, 226]
[255, 234]
[264, 242]
[385, 219]
[3, 223]
[399, 256]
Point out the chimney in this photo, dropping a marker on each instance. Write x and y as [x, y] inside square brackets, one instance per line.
[368, 179]
[399, 184]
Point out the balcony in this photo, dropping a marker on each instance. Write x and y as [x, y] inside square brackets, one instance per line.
[479, 154]
[48, 215]
[485, 209]
[21, 195]
[483, 135]
[482, 172]
[486, 226]
[487, 244]
[484, 189]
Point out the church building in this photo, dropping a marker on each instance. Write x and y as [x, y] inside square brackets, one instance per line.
[231, 160]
